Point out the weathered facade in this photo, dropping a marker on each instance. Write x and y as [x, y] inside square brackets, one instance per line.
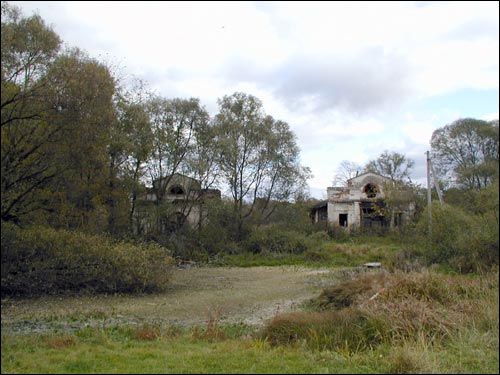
[360, 204]
[172, 202]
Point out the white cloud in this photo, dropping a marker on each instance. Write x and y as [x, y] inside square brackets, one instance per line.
[343, 74]
[490, 116]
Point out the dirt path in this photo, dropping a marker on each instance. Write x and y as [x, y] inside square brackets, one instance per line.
[248, 295]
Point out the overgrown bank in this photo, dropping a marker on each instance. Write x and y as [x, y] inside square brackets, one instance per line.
[42, 260]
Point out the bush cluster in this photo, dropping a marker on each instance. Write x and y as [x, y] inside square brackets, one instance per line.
[462, 241]
[41, 260]
[272, 239]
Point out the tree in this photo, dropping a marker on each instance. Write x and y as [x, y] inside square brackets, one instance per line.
[282, 177]
[400, 196]
[82, 90]
[392, 165]
[345, 171]
[259, 155]
[400, 193]
[203, 165]
[29, 48]
[466, 152]
[137, 126]
[173, 126]
[240, 121]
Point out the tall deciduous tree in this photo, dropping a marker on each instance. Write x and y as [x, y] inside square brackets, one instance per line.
[282, 177]
[393, 165]
[399, 192]
[29, 48]
[259, 155]
[466, 152]
[345, 171]
[173, 122]
[173, 126]
[203, 165]
[136, 123]
[240, 120]
[82, 90]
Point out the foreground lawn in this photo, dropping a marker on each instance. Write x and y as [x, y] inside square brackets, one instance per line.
[148, 350]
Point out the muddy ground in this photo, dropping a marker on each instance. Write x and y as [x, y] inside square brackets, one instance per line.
[230, 295]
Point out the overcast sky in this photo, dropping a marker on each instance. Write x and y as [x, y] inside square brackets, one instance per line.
[351, 79]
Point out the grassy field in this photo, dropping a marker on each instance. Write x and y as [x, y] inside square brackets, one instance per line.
[131, 350]
[235, 349]
[215, 319]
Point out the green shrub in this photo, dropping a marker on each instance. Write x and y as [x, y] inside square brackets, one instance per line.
[289, 216]
[220, 234]
[272, 239]
[465, 242]
[41, 260]
[315, 255]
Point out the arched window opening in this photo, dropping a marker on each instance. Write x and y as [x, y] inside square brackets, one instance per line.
[177, 190]
[370, 190]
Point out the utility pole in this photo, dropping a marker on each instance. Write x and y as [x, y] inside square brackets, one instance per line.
[436, 185]
[429, 200]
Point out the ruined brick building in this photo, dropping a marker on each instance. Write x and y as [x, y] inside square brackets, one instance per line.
[359, 204]
[172, 202]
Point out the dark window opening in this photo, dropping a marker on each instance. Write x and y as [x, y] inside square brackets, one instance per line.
[343, 220]
[323, 214]
[398, 219]
[177, 190]
[371, 215]
[173, 223]
[370, 190]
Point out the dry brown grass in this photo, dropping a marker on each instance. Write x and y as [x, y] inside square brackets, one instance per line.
[385, 307]
[60, 342]
[212, 331]
[349, 249]
[349, 292]
[410, 318]
[146, 333]
[288, 328]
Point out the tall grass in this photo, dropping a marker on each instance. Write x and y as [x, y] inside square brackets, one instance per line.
[393, 309]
